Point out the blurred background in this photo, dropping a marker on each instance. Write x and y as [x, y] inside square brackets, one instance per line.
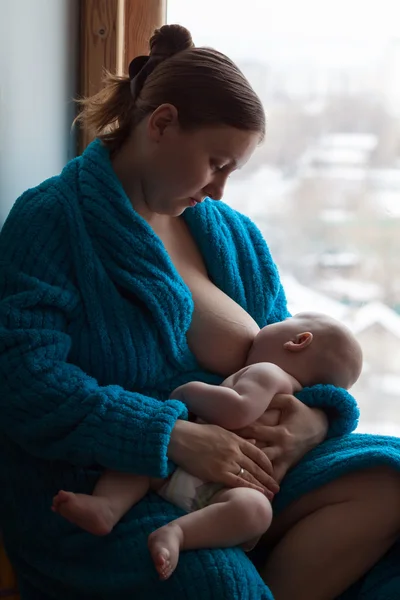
[324, 188]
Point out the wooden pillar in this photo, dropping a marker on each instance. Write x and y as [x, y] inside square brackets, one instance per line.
[142, 17]
[112, 33]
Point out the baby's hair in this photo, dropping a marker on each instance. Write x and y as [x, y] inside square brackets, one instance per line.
[340, 354]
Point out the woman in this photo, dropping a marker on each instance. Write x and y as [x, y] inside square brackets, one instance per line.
[120, 281]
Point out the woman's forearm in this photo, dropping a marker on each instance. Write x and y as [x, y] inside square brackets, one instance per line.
[180, 437]
[321, 425]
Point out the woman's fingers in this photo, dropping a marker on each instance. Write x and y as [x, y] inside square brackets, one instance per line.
[260, 432]
[245, 480]
[280, 470]
[259, 467]
[279, 444]
[257, 456]
[273, 453]
[252, 472]
[249, 432]
[279, 437]
[269, 418]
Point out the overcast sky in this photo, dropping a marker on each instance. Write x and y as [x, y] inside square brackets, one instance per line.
[333, 31]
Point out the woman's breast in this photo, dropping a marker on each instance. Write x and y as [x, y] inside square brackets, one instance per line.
[221, 332]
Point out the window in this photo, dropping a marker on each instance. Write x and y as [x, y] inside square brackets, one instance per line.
[325, 186]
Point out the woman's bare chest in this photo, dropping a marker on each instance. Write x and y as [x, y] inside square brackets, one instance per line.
[221, 332]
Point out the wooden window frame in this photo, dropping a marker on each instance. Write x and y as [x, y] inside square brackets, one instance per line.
[112, 32]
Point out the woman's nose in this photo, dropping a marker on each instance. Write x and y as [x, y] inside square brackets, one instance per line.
[216, 188]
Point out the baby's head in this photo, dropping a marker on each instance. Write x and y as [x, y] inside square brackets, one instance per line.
[312, 347]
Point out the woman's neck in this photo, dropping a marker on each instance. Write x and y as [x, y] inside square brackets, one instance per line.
[127, 169]
[127, 163]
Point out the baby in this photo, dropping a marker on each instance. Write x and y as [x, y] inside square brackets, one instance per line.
[301, 351]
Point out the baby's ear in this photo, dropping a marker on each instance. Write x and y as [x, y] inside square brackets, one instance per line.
[300, 342]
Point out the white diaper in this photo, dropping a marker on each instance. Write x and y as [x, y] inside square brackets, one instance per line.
[187, 491]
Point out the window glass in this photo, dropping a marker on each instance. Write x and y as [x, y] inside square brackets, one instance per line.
[324, 188]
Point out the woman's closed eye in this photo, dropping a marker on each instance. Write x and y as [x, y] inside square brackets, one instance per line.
[217, 166]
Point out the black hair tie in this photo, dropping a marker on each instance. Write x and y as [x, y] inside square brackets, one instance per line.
[140, 68]
[136, 65]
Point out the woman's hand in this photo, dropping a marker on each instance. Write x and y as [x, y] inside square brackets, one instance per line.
[287, 431]
[215, 454]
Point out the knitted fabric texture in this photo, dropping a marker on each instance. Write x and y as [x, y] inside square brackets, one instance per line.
[93, 322]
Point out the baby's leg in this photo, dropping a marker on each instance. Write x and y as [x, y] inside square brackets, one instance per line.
[234, 517]
[112, 497]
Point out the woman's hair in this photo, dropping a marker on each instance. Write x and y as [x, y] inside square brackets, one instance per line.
[205, 86]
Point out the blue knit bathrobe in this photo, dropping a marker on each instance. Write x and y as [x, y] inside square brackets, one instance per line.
[93, 317]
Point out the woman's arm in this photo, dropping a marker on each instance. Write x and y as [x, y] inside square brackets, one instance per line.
[55, 411]
[48, 406]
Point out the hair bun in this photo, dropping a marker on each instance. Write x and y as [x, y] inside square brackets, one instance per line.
[169, 40]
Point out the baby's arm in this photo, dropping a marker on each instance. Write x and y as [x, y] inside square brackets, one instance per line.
[239, 400]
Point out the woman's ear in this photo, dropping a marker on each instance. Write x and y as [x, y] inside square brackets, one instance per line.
[166, 115]
[300, 342]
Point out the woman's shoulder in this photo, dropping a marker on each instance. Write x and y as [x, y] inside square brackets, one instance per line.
[215, 213]
[42, 205]
[35, 233]
[225, 210]
[33, 212]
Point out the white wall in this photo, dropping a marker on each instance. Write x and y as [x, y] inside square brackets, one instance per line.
[38, 79]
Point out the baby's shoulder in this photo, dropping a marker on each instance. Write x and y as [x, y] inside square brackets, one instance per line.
[265, 371]
[263, 374]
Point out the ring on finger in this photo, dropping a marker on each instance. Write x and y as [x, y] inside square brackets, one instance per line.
[241, 471]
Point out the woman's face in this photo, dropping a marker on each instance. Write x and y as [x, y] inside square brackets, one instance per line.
[186, 166]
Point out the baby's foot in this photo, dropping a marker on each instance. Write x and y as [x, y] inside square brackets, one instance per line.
[164, 545]
[89, 512]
